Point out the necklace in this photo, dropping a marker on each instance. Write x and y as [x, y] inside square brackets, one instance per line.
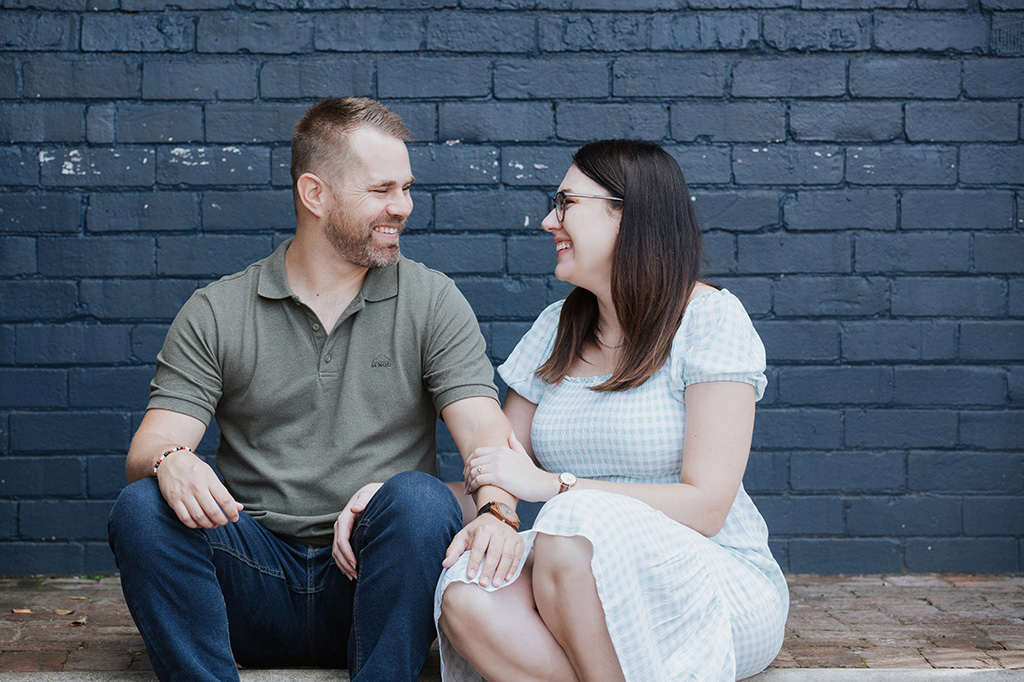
[606, 345]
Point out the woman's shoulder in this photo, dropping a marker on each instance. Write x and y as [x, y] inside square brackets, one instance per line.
[708, 304]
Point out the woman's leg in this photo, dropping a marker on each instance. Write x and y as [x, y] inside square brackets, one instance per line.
[501, 634]
[567, 601]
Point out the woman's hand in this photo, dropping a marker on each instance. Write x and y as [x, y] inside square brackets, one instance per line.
[511, 469]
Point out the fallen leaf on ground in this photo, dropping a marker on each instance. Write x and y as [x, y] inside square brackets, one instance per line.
[79, 598]
[80, 621]
[21, 610]
[63, 612]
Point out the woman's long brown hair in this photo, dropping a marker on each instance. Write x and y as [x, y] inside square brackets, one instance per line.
[655, 264]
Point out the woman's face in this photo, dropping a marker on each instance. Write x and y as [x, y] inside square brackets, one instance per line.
[585, 238]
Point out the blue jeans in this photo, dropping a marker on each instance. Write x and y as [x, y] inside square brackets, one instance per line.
[203, 599]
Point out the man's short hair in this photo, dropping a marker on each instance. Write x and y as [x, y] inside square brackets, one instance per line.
[319, 144]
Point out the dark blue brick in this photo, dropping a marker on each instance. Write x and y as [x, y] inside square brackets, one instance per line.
[50, 31]
[720, 252]
[209, 255]
[134, 299]
[158, 123]
[419, 118]
[594, 32]
[802, 429]
[767, 472]
[252, 122]
[956, 386]
[105, 476]
[64, 520]
[493, 121]
[930, 31]
[98, 558]
[703, 164]
[544, 166]
[505, 298]
[801, 296]
[110, 386]
[33, 387]
[992, 164]
[871, 209]
[967, 555]
[845, 555]
[97, 77]
[83, 344]
[946, 296]
[585, 122]
[28, 477]
[799, 341]
[790, 165]
[1015, 385]
[992, 430]
[138, 32]
[956, 209]
[962, 121]
[146, 341]
[49, 122]
[201, 79]
[994, 516]
[868, 121]
[685, 31]
[1008, 33]
[817, 32]
[801, 514]
[901, 165]
[671, 77]
[9, 524]
[531, 255]
[142, 211]
[794, 253]
[157, 5]
[789, 77]
[95, 256]
[248, 210]
[73, 432]
[903, 516]
[485, 32]
[422, 217]
[557, 78]
[37, 299]
[993, 78]
[897, 341]
[455, 164]
[9, 86]
[754, 292]
[369, 32]
[739, 4]
[280, 165]
[956, 472]
[847, 472]
[24, 558]
[100, 123]
[19, 256]
[733, 122]
[504, 337]
[835, 385]
[18, 166]
[924, 252]
[274, 33]
[213, 165]
[900, 428]
[6, 354]
[316, 78]
[433, 77]
[459, 211]
[735, 211]
[905, 77]
[457, 254]
[97, 167]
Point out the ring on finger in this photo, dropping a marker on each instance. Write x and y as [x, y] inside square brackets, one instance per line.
[479, 470]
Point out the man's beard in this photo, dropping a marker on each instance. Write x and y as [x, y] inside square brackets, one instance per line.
[355, 244]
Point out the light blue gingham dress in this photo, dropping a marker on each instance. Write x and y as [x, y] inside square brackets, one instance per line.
[678, 605]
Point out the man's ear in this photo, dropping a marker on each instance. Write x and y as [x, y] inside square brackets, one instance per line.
[314, 194]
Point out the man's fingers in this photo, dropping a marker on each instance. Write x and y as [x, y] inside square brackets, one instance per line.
[227, 504]
[181, 511]
[504, 569]
[492, 555]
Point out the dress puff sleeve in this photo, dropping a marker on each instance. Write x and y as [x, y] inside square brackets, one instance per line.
[717, 342]
[518, 371]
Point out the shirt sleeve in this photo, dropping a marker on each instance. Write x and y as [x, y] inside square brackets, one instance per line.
[188, 373]
[519, 370]
[716, 341]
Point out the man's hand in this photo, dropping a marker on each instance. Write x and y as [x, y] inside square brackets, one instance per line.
[193, 491]
[342, 552]
[491, 541]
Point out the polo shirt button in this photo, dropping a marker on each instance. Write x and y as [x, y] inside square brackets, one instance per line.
[327, 358]
[316, 326]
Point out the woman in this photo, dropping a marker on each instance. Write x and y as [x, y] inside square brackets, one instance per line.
[648, 561]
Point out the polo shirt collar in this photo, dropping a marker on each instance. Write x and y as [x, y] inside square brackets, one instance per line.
[380, 283]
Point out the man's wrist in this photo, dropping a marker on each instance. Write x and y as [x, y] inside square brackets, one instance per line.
[168, 453]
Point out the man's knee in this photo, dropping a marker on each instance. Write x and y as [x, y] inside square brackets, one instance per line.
[140, 521]
[419, 501]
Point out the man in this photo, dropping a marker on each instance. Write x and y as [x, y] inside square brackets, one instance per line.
[326, 365]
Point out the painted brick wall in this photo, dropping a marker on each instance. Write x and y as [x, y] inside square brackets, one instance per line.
[857, 164]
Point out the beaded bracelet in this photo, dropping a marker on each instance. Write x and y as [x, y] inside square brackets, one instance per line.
[170, 452]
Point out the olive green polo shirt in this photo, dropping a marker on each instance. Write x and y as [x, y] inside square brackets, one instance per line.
[308, 418]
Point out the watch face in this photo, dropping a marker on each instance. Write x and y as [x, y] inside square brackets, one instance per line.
[567, 479]
[508, 511]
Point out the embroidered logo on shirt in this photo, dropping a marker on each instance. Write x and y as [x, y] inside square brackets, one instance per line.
[381, 361]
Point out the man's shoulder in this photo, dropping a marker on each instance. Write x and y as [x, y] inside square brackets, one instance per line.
[416, 278]
[230, 287]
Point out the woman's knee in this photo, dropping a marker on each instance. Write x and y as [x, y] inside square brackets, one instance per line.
[559, 560]
[465, 608]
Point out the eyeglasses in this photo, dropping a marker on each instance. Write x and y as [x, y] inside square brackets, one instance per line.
[558, 201]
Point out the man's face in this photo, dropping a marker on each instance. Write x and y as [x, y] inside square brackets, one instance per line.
[372, 202]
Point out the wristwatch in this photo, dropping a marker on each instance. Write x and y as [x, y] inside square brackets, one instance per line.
[502, 511]
[567, 481]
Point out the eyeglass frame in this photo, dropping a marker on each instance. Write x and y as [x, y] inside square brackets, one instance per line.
[575, 195]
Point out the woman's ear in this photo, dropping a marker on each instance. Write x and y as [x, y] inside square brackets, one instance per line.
[314, 194]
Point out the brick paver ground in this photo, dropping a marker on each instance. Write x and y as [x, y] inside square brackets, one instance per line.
[907, 622]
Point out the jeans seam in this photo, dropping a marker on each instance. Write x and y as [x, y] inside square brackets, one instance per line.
[247, 560]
